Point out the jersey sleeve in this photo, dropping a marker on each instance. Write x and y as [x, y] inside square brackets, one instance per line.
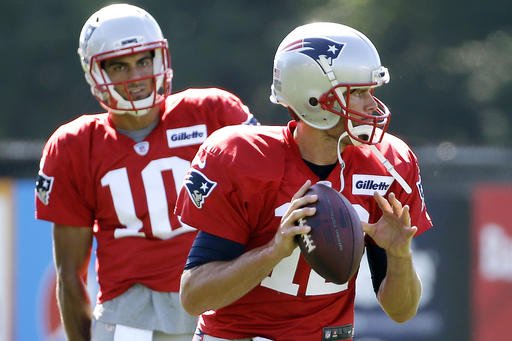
[209, 200]
[406, 164]
[416, 200]
[226, 190]
[230, 109]
[59, 192]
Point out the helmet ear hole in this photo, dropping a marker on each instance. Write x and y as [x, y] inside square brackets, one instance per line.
[313, 101]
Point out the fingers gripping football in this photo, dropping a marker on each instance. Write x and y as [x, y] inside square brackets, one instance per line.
[335, 244]
[300, 207]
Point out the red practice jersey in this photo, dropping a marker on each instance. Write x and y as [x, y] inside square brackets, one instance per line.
[240, 185]
[93, 176]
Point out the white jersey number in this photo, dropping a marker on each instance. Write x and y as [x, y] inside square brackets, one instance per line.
[281, 278]
[119, 183]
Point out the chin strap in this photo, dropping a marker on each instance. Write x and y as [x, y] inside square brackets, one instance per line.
[391, 169]
[342, 163]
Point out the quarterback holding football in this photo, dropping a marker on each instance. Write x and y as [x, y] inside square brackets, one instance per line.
[246, 193]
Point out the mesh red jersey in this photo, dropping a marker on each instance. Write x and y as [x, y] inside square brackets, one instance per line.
[93, 176]
[238, 188]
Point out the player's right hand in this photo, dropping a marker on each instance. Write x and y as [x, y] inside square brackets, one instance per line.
[284, 240]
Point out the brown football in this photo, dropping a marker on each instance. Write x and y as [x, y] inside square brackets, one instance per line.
[335, 244]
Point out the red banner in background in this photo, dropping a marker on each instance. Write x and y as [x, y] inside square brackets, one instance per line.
[492, 262]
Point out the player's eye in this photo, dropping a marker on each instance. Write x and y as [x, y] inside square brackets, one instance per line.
[116, 68]
[359, 92]
[146, 62]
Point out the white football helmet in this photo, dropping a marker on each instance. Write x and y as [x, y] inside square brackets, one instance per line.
[315, 68]
[120, 30]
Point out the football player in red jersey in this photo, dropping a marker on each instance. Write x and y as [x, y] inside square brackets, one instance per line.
[115, 176]
[245, 191]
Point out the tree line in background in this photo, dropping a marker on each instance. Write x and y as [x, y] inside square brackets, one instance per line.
[449, 60]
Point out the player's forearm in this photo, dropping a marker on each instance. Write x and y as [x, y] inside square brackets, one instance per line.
[217, 284]
[75, 309]
[400, 292]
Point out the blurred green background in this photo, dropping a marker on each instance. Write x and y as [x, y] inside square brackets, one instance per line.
[449, 60]
[451, 82]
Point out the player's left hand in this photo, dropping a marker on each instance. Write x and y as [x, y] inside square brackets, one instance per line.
[393, 232]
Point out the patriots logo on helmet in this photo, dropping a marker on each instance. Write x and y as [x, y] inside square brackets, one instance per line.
[87, 36]
[198, 186]
[317, 49]
[88, 32]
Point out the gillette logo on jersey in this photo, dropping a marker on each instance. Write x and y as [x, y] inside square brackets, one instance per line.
[364, 184]
[186, 136]
[198, 186]
[317, 49]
